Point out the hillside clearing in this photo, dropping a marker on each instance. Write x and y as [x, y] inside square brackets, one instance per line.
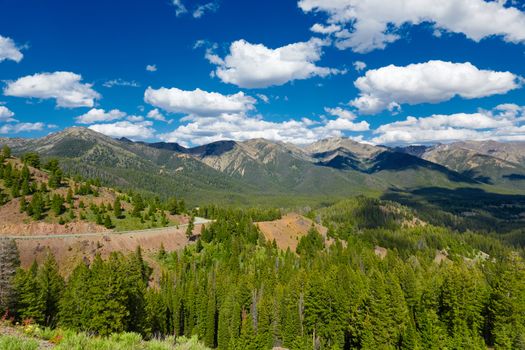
[288, 230]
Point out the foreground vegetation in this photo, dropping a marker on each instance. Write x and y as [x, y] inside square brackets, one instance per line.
[431, 289]
[68, 340]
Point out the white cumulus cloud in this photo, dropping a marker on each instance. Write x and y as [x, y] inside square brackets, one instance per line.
[135, 118]
[198, 129]
[341, 113]
[9, 50]
[321, 29]
[151, 68]
[198, 102]
[23, 127]
[256, 66]
[359, 66]
[65, 87]
[373, 24]
[430, 82]
[343, 124]
[135, 131]
[503, 123]
[201, 130]
[155, 114]
[6, 115]
[96, 115]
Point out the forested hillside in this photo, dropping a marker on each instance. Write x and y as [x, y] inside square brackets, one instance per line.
[478, 187]
[385, 281]
[36, 197]
[250, 172]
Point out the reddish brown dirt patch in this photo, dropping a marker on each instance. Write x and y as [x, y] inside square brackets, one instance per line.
[69, 251]
[288, 230]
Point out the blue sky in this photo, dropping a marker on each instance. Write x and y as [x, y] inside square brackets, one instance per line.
[293, 71]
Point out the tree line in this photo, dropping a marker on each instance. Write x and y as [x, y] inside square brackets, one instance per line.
[235, 290]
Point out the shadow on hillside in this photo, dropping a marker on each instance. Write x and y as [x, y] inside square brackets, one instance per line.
[213, 149]
[394, 161]
[346, 161]
[472, 208]
[514, 177]
[476, 176]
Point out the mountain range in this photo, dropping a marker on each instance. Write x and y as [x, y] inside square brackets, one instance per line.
[259, 170]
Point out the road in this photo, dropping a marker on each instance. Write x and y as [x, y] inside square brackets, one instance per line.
[198, 221]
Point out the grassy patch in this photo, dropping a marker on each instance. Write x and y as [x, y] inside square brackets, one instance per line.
[8, 342]
[125, 341]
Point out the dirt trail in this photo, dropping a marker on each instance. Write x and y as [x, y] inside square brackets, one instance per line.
[70, 249]
[198, 221]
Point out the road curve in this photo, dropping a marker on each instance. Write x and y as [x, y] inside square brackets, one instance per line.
[198, 221]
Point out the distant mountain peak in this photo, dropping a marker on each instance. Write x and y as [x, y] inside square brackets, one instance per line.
[343, 143]
[76, 132]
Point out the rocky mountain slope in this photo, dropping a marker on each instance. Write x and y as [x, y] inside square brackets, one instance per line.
[497, 163]
[253, 171]
[126, 164]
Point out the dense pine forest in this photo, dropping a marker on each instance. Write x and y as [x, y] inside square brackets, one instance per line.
[430, 288]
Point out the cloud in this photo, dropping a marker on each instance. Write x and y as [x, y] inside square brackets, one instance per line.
[156, 115]
[263, 98]
[135, 118]
[373, 24]
[341, 113]
[6, 115]
[198, 11]
[13, 126]
[256, 66]
[23, 127]
[99, 115]
[211, 116]
[359, 66]
[503, 123]
[65, 87]
[151, 68]
[120, 82]
[344, 120]
[180, 9]
[198, 102]
[430, 82]
[200, 43]
[321, 29]
[202, 9]
[9, 50]
[198, 129]
[346, 125]
[137, 131]
[201, 130]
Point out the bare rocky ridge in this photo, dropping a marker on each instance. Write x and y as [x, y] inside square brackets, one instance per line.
[488, 161]
[361, 150]
[244, 170]
[507, 153]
